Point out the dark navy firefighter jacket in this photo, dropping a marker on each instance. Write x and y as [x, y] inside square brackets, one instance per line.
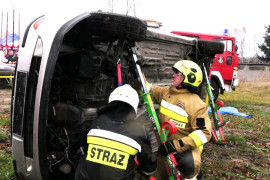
[114, 140]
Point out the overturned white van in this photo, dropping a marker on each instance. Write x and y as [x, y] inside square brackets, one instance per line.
[66, 70]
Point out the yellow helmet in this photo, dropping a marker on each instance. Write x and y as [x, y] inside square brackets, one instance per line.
[191, 71]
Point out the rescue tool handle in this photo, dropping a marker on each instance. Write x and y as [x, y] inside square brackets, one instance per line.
[119, 75]
[172, 174]
[217, 134]
[208, 86]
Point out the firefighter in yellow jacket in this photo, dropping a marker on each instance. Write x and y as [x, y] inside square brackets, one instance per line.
[181, 104]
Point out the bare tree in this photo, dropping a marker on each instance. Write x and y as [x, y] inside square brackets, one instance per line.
[240, 35]
[130, 6]
[256, 42]
[134, 8]
[110, 5]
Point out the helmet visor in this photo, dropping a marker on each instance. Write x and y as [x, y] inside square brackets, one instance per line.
[176, 71]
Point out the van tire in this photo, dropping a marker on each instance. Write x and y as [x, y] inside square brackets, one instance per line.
[117, 26]
[210, 47]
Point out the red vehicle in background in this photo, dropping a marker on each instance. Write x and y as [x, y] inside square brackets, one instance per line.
[9, 47]
[224, 67]
[8, 39]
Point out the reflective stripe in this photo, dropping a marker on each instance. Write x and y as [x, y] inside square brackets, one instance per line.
[201, 135]
[116, 137]
[173, 115]
[198, 137]
[201, 148]
[6, 76]
[107, 156]
[173, 111]
[112, 144]
[173, 108]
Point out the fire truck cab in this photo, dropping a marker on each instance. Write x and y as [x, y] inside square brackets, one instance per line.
[224, 67]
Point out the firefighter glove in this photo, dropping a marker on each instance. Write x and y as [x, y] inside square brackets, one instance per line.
[142, 173]
[165, 148]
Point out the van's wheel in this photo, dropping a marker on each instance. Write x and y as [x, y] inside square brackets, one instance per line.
[117, 26]
[215, 90]
[210, 47]
[3, 83]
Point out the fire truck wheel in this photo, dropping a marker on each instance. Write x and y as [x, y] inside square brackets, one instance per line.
[3, 83]
[117, 26]
[215, 90]
[210, 47]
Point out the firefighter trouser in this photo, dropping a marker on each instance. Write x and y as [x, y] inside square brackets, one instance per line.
[189, 163]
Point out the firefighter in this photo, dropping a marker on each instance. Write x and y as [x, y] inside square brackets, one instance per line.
[115, 139]
[180, 104]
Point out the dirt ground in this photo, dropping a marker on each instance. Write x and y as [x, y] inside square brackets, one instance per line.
[5, 97]
[235, 160]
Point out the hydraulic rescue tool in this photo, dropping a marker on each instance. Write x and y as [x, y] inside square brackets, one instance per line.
[217, 118]
[161, 132]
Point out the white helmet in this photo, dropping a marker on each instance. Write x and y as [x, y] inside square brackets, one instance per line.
[125, 94]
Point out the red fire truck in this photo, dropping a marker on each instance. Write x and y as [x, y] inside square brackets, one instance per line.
[224, 67]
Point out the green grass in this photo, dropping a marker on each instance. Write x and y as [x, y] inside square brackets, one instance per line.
[6, 167]
[245, 153]
[6, 170]
[3, 135]
[4, 120]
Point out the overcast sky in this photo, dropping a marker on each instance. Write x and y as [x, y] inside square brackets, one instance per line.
[204, 16]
